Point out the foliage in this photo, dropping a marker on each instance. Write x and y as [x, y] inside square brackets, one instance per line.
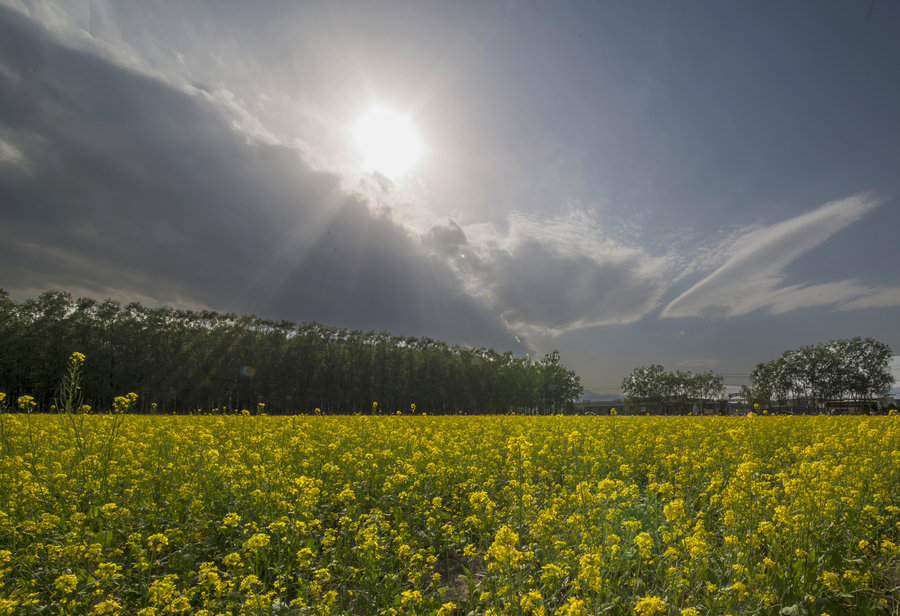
[653, 389]
[451, 515]
[182, 360]
[559, 387]
[855, 369]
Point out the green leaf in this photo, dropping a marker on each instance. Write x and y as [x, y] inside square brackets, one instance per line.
[104, 538]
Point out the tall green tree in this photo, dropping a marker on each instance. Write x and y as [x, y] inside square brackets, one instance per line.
[853, 370]
[652, 389]
[645, 388]
[183, 360]
[559, 387]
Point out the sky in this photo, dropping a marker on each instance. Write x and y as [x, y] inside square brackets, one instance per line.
[702, 185]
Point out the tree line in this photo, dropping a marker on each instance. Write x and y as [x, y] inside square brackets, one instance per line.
[851, 373]
[183, 360]
[652, 389]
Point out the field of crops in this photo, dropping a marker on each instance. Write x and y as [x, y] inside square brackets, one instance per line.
[107, 514]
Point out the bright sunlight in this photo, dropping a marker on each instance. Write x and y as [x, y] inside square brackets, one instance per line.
[388, 142]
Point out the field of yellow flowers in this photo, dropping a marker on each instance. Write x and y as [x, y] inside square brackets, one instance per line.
[152, 515]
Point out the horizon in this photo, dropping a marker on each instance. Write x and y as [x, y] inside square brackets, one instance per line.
[731, 388]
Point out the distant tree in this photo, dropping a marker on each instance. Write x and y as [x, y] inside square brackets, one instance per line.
[651, 388]
[761, 390]
[646, 387]
[850, 370]
[704, 387]
[560, 387]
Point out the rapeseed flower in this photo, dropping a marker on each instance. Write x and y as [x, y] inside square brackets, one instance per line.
[503, 554]
[26, 403]
[648, 606]
[547, 515]
[66, 583]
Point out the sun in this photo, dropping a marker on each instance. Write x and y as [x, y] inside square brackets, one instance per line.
[387, 141]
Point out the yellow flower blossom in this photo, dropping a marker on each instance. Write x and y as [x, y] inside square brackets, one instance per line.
[257, 542]
[648, 606]
[503, 554]
[544, 515]
[65, 583]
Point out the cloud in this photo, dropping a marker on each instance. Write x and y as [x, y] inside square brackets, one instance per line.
[551, 276]
[697, 365]
[138, 189]
[12, 157]
[883, 297]
[447, 239]
[753, 274]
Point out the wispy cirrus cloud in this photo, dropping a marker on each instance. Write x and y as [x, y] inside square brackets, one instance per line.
[752, 276]
[550, 276]
[880, 297]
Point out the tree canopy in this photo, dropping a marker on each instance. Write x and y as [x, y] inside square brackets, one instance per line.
[653, 389]
[850, 370]
[184, 360]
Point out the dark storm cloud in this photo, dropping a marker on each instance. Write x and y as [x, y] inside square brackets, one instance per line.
[115, 183]
[537, 287]
[551, 276]
[447, 239]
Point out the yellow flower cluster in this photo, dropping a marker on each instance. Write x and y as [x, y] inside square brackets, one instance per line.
[546, 516]
[26, 403]
[122, 404]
